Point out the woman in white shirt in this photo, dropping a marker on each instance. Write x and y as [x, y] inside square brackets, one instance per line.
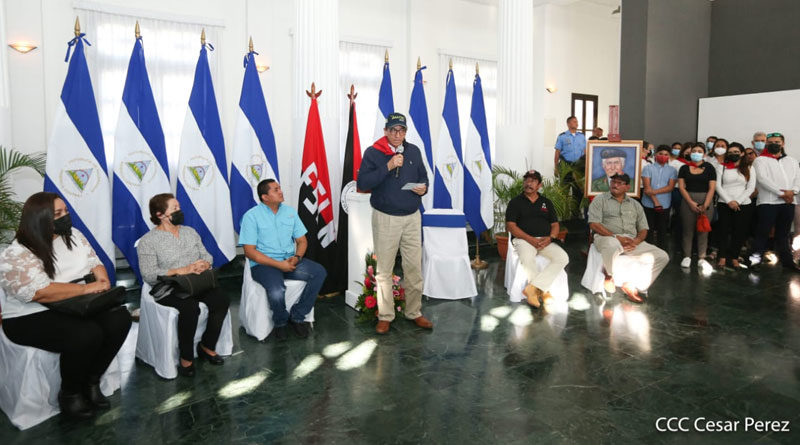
[736, 181]
[37, 268]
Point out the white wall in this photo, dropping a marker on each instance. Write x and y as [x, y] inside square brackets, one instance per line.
[581, 55]
[412, 28]
[5, 115]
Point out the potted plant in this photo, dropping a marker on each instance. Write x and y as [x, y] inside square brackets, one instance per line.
[506, 184]
[10, 209]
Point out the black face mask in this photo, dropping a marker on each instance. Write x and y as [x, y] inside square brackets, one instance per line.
[774, 148]
[63, 226]
[176, 218]
[733, 158]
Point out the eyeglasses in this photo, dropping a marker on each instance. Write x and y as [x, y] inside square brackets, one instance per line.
[774, 135]
[397, 130]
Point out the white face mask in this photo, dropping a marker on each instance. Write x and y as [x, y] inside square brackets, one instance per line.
[719, 151]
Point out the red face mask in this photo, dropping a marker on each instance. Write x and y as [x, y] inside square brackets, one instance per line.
[662, 159]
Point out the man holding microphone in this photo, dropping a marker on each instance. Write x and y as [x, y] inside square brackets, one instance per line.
[392, 169]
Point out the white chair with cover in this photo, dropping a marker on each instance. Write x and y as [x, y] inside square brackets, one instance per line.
[516, 279]
[446, 269]
[255, 314]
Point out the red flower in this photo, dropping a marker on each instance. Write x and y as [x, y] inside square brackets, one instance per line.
[370, 302]
[368, 283]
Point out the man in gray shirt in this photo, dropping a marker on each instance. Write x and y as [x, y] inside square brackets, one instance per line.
[620, 227]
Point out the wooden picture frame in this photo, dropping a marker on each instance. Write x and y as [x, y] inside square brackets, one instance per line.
[625, 156]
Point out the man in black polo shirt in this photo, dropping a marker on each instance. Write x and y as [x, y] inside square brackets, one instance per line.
[532, 222]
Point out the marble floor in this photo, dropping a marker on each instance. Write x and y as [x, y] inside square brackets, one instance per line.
[724, 347]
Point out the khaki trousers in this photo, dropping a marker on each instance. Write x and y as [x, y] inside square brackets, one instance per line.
[527, 259]
[390, 233]
[610, 248]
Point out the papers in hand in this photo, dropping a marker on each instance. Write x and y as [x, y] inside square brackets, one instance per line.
[412, 185]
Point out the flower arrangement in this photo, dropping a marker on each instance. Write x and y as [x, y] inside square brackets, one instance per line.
[367, 303]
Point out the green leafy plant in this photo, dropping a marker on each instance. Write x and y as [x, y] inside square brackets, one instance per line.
[10, 209]
[506, 184]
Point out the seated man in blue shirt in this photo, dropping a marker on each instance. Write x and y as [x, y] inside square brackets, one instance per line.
[274, 240]
[659, 181]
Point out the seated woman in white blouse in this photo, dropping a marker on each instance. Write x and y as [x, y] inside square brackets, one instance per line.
[46, 254]
[736, 181]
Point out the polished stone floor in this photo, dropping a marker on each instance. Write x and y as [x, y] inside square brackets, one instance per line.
[719, 347]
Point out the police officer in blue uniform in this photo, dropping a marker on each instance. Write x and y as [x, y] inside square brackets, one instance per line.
[571, 149]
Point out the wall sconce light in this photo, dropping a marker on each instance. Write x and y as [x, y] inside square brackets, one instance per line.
[551, 89]
[261, 68]
[22, 47]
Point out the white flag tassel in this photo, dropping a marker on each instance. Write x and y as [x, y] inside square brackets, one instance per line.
[203, 169]
[448, 188]
[478, 163]
[76, 167]
[140, 159]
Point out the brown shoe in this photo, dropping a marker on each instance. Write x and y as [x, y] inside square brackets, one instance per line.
[382, 327]
[632, 293]
[532, 294]
[423, 322]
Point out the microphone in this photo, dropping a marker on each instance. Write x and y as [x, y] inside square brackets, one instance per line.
[399, 151]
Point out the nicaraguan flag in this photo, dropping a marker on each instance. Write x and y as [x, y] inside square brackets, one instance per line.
[255, 157]
[203, 169]
[448, 187]
[419, 131]
[385, 102]
[140, 159]
[76, 167]
[478, 200]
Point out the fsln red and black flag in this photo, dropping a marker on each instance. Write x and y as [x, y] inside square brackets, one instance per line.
[315, 203]
[352, 162]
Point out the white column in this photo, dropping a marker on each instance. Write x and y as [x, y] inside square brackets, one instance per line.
[316, 59]
[519, 125]
[5, 103]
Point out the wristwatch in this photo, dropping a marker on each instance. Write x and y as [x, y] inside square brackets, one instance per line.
[298, 257]
[553, 238]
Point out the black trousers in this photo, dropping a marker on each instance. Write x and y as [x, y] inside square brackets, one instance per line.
[779, 216]
[189, 312]
[658, 222]
[733, 229]
[87, 345]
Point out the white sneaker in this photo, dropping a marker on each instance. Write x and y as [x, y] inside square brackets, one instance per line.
[686, 262]
[704, 265]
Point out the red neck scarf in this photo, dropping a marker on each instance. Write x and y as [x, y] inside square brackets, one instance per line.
[382, 145]
[729, 165]
[768, 155]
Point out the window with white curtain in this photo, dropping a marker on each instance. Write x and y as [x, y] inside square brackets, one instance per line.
[360, 65]
[171, 50]
[464, 76]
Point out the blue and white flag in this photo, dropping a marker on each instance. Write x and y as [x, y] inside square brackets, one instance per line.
[203, 169]
[140, 159]
[255, 157]
[448, 186]
[419, 131]
[76, 167]
[478, 199]
[385, 101]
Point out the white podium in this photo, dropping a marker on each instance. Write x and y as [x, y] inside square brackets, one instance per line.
[359, 242]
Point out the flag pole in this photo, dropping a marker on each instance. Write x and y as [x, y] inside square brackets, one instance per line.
[477, 263]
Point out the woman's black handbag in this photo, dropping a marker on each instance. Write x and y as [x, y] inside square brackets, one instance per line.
[185, 286]
[90, 304]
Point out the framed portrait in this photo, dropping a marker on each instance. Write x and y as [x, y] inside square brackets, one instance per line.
[604, 159]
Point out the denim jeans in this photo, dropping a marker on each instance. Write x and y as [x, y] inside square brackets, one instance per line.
[272, 279]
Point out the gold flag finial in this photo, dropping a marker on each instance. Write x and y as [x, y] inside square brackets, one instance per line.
[313, 94]
[352, 96]
[419, 63]
[477, 68]
[386, 55]
[250, 45]
[137, 31]
[77, 26]
[203, 37]
[451, 63]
